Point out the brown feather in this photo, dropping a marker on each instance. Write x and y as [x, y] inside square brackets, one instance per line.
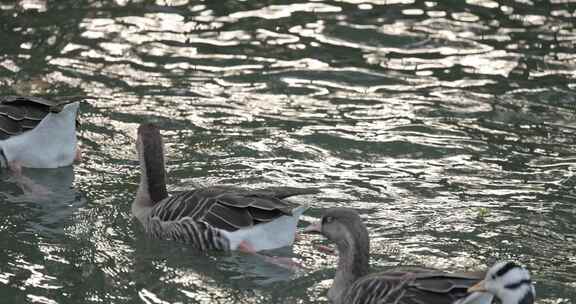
[11, 112]
[224, 207]
[233, 217]
[154, 161]
[35, 112]
[9, 127]
[262, 215]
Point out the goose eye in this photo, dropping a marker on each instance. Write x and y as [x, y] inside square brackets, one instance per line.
[327, 220]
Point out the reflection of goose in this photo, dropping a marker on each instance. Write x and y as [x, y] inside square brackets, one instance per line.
[182, 263]
[353, 285]
[223, 218]
[37, 133]
[50, 212]
[53, 185]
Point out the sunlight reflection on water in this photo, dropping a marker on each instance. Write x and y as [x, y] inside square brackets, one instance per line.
[449, 126]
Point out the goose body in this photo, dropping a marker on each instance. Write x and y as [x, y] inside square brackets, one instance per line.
[413, 286]
[36, 132]
[221, 218]
[354, 285]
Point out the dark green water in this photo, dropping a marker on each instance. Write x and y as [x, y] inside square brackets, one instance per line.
[450, 125]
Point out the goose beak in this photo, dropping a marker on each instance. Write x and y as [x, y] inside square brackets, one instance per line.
[480, 287]
[313, 228]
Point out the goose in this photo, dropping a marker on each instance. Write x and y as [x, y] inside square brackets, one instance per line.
[354, 285]
[508, 282]
[37, 133]
[211, 218]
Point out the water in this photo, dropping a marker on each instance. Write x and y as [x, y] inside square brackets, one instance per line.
[449, 125]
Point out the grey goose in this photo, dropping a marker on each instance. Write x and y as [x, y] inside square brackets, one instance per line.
[211, 218]
[353, 284]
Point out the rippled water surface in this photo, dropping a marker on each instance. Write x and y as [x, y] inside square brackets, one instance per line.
[450, 125]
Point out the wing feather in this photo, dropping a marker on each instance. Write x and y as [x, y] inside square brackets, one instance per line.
[228, 208]
[272, 203]
[411, 287]
[235, 200]
[264, 216]
[246, 200]
[14, 113]
[233, 217]
[8, 127]
[55, 105]
[19, 114]
[284, 192]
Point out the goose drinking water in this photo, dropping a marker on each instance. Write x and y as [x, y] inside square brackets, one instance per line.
[37, 133]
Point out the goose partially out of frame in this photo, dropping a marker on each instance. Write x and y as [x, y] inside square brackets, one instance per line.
[509, 282]
[353, 284]
[37, 133]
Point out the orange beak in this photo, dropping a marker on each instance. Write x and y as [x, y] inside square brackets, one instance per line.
[313, 228]
[480, 287]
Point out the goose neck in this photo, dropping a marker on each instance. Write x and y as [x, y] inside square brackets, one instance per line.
[152, 188]
[353, 263]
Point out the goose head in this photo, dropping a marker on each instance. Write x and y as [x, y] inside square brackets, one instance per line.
[344, 227]
[150, 149]
[509, 282]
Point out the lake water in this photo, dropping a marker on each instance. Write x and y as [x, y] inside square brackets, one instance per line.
[449, 125]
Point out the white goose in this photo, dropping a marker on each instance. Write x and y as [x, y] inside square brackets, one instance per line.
[37, 132]
[221, 218]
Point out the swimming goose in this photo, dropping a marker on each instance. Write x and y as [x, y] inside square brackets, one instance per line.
[37, 132]
[221, 218]
[354, 285]
[509, 282]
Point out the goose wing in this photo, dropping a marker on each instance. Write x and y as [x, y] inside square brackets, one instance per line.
[412, 287]
[19, 114]
[228, 208]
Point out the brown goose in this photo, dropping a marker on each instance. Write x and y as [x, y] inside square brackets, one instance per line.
[221, 218]
[354, 285]
[37, 132]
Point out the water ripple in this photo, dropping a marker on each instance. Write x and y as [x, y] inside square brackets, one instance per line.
[449, 126]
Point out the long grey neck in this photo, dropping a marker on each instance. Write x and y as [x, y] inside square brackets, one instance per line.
[142, 203]
[353, 263]
[152, 188]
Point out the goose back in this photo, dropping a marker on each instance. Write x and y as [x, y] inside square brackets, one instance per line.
[19, 114]
[411, 286]
[207, 217]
